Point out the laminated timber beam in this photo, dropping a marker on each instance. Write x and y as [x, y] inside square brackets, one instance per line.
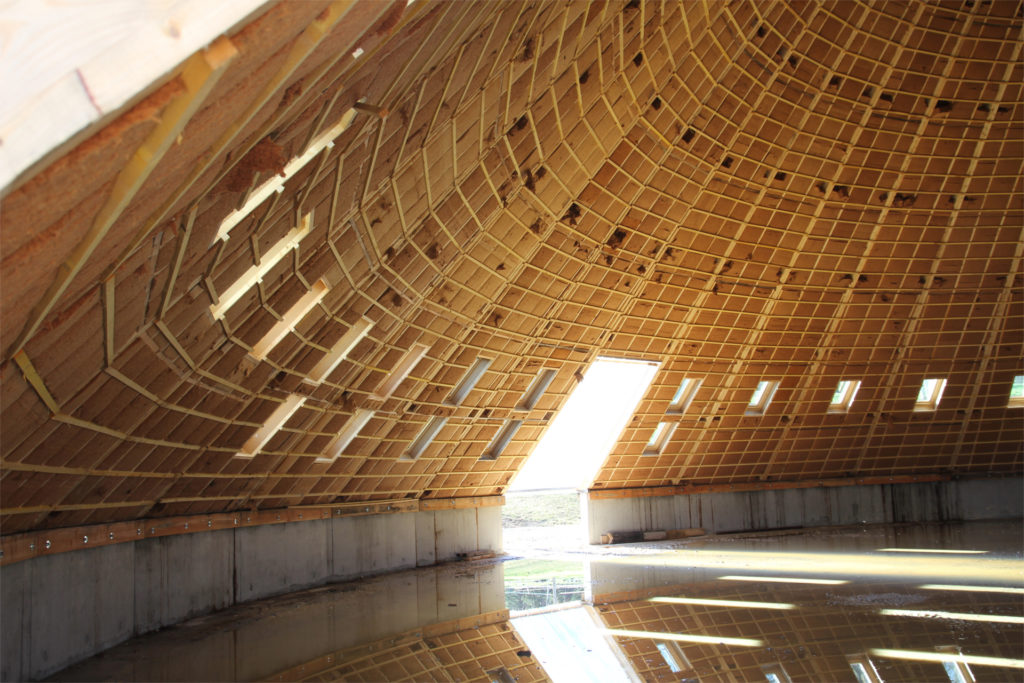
[199, 75]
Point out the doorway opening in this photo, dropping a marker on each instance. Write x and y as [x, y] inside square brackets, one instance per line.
[543, 501]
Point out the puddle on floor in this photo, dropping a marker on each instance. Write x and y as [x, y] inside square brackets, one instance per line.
[874, 603]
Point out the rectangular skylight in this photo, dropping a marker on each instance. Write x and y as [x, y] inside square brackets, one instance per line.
[468, 381]
[276, 183]
[684, 395]
[762, 397]
[863, 669]
[502, 439]
[1017, 392]
[339, 351]
[402, 369]
[673, 656]
[424, 438]
[659, 438]
[351, 430]
[587, 427]
[843, 397]
[292, 317]
[230, 296]
[929, 395]
[273, 424]
[537, 388]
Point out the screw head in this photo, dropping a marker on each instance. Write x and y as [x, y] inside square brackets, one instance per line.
[209, 523]
[47, 544]
[111, 535]
[85, 539]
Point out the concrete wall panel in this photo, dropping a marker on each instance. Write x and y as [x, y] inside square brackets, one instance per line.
[724, 512]
[81, 603]
[425, 552]
[488, 528]
[178, 577]
[454, 532]
[279, 558]
[15, 624]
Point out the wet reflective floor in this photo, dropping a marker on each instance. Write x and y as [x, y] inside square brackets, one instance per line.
[875, 603]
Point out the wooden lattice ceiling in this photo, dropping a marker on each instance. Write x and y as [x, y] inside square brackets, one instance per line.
[802, 192]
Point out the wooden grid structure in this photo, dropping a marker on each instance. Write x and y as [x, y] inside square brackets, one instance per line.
[469, 649]
[813, 641]
[798, 192]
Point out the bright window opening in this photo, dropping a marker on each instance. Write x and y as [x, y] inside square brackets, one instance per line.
[929, 395]
[684, 396]
[864, 669]
[775, 673]
[537, 388]
[351, 430]
[271, 427]
[1017, 392]
[957, 669]
[843, 398]
[659, 438]
[502, 439]
[762, 397]
[339, 351]
[673, 656]
[230, 296]
[276, 183]
[405, 365]
[425, 437]
[292, 317]
[468, 381]
[583, 433]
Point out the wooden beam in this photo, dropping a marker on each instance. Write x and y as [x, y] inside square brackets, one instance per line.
[199, 75]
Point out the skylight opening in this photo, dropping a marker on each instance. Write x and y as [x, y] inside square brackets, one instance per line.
[929, 395]
[405, 366]
[468, 381]
[659, 438]
[424, 438]
[763, 395]
[775, 673]
[502, 439]
[684, 396]
[272, 426]
[324, 140]
[1017, 393]
[339, 351]
[230, 296]
[292, 317]
[350, 431]
[957, 670]
[537, 388]
[843, 397]
[583, 433]
[863, 669]
[674, 656]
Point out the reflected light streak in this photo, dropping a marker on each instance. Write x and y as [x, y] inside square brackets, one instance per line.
[932, 550]
[685, 637]
[968, 568]
[963, 616]
[785, 579]
[976, 660]
[978, 589]
[725, 603]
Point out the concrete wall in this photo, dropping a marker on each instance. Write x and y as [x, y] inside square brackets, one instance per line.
[59, 609]
[943, 501]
